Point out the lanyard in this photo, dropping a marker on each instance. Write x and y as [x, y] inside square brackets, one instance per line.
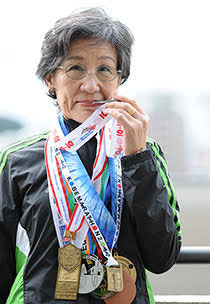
[85, 194]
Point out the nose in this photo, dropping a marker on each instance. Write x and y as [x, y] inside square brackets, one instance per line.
[90, 84]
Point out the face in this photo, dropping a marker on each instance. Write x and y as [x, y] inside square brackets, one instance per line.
[75, 97]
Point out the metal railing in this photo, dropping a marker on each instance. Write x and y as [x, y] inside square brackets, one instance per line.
[189, 255]
[194, 255]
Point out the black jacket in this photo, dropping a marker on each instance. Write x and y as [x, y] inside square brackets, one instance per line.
[150, 228]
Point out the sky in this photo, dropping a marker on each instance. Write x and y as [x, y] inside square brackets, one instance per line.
[171, 51]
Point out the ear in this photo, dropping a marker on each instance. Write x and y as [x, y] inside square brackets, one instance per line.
[119, 80]
[50, 82]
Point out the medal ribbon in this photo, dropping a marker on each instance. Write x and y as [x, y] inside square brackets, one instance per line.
[99, 219]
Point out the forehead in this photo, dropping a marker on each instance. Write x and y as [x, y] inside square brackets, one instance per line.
[83, 48]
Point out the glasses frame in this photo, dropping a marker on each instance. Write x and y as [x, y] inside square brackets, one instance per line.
[118, 72]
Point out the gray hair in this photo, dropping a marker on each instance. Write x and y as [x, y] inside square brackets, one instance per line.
[85, 24]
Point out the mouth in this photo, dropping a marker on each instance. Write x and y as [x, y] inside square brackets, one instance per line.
[89, 103]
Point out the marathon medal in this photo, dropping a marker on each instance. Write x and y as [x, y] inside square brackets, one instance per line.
[127, 266]
[114, 278]
[91, 275]
[125, 296]
[69, 264]
[102, 292]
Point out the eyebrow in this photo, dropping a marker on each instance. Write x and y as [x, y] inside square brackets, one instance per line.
[74, 57]
[106, 57]
[82, 58]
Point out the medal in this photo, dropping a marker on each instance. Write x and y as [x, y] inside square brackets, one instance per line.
[69, 263]
[128, 293]
[114, 278]
[91, 275]
[101, 292]
[127, 265]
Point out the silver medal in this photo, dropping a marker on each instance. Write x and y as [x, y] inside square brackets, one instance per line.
[91, 275]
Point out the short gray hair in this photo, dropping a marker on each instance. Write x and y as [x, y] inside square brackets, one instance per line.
[85, 24]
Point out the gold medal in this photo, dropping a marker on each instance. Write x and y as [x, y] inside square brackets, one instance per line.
[127, 265]
[69, 264]
[128, 293]
[114, 278]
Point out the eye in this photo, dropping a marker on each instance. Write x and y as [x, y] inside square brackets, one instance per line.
[75, 67]
[105, 69]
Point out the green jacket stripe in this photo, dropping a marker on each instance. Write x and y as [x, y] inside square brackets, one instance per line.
[161, 162]
[19, 145]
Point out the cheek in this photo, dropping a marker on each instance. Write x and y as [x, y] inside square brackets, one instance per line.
[65, 92]
[113, 89]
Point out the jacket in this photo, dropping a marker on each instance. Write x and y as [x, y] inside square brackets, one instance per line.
[150, 234]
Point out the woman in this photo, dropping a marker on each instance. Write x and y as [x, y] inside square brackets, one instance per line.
[76, 225]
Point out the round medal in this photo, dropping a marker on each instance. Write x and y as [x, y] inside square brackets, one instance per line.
[101, 292]
[127, 265]
[91, 275]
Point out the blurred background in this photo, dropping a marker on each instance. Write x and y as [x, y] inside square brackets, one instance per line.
[170, 79]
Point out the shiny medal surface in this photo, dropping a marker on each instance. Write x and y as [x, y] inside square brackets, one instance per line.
[91, 275]
[125, 296]
[127, 265]
[114, 278]
[102, 292]
[69, 264]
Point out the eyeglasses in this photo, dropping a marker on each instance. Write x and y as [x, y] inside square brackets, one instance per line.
[79, 71]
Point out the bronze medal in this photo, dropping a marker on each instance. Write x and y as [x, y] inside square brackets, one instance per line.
[69, 264]
[128, 293]
[127, 265]
[114, 278]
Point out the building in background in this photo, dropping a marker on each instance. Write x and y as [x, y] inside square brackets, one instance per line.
[167, 127]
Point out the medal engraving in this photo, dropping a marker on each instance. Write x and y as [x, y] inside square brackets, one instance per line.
[114, 278]
[67, 284]
[91, 274]
[101, 292]
[128, 293]
[69, 256]
[127, 265]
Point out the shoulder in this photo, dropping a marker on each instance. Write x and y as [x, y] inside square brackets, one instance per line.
[25, 150]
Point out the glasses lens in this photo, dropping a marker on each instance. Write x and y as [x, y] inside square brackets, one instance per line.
[76, 71]
[106, 73]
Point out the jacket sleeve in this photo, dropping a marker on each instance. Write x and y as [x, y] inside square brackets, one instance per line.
[153, 206]
[8, 225]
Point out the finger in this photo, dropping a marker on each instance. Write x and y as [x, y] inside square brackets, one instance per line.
[132, 111]
[123, 117]
[133, 103]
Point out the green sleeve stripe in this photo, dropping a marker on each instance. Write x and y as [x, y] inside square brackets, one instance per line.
[165, 175]
[165, 181]
[169, 180]
[18, 146]
[22, 141]
[162, 165]
[149, 289]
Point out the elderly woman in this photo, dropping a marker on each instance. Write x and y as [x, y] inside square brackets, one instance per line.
[85, 209]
